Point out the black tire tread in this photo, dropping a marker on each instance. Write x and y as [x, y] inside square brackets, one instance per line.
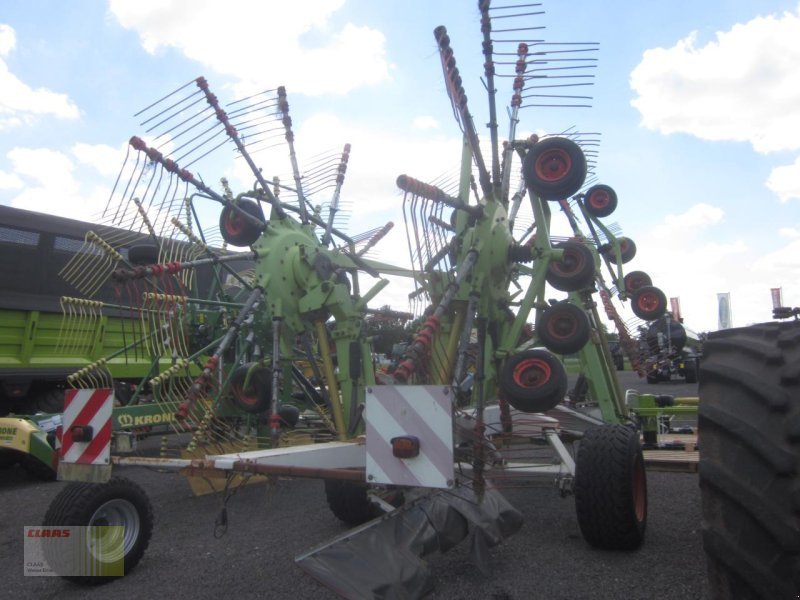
[603, 498]
[750, 460]
[77, 502]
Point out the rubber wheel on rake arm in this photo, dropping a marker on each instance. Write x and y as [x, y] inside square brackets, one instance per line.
[120, 502]
[627, 250]
[635, 280]
[574, 271]
[143, 254]
[555, 168]
[533, 380]
[236, 229]
[600, 200]
[611, 488]
[349, 501]
[563, 328]
[257, 398]
[649, 303]
[749, 431]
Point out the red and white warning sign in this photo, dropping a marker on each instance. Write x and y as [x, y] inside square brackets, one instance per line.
[86, 427]
[410, 435]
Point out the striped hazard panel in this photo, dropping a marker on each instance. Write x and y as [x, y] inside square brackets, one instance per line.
[86, 426]
[422, 413]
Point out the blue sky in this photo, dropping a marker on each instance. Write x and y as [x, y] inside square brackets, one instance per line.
[698, 104]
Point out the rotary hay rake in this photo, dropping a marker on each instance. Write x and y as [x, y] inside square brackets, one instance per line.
[478, 394]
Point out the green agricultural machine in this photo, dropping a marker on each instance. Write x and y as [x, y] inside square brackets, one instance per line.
[477, 391]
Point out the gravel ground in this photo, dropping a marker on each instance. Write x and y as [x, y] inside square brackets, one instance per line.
[271, 524]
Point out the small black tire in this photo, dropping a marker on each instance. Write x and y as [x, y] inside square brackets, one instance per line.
[749, 435]
[238, 230]
[574, 271]
[627, 251]
[555, 168]
[611, 488]
[119, 501]
[143, 254]
[257, 398]
[349, 501]
[563, 328]
[600, 200]
[649, 303]
[533, 380]
[635, 280]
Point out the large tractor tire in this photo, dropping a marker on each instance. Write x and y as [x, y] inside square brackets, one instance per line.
[119, 501]
[611, 488]
[749, 434]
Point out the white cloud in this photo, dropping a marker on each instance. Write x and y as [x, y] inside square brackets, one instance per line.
[789, 232]
[21, 104]
[50, 185]
[425, 122]
[104, 158]
[785, 181]
[9, 181]
[687, 224]
[8, 39]
[743, 86]
[263, 44]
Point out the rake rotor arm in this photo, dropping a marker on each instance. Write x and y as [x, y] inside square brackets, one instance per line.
[342, 169]
[459, 99]
[185, 175]
[122, 275]
[431, 192]
[230, 130]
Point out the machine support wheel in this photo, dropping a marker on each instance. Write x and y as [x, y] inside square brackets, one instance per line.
[349, 502]
[563, 328]
[749, 424]
[574, 271]
[236, 229]
[555, 168]
[611, 488]
[649, 303]
[257, 398]
[635, 280]
[600, 200]
[119, 501]
[533, 380]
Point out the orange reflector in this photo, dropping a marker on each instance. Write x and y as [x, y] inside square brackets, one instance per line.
[405, 446]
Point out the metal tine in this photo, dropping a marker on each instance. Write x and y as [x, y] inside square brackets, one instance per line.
[257, 94]
[187, 130]
[255, 107]
[159, 101]
[176, 113]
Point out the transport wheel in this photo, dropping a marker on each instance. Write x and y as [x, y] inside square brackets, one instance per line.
[8, 458]
[257, 398]
[649, 303]
[611, 488]
[119, 502]
[533, 380]
[563, 328]
[749, 434]
[236, 229]
[349, 501]
[574, 271]
[600, 200]
[635, 280]
[690, 370]
[555, 168]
